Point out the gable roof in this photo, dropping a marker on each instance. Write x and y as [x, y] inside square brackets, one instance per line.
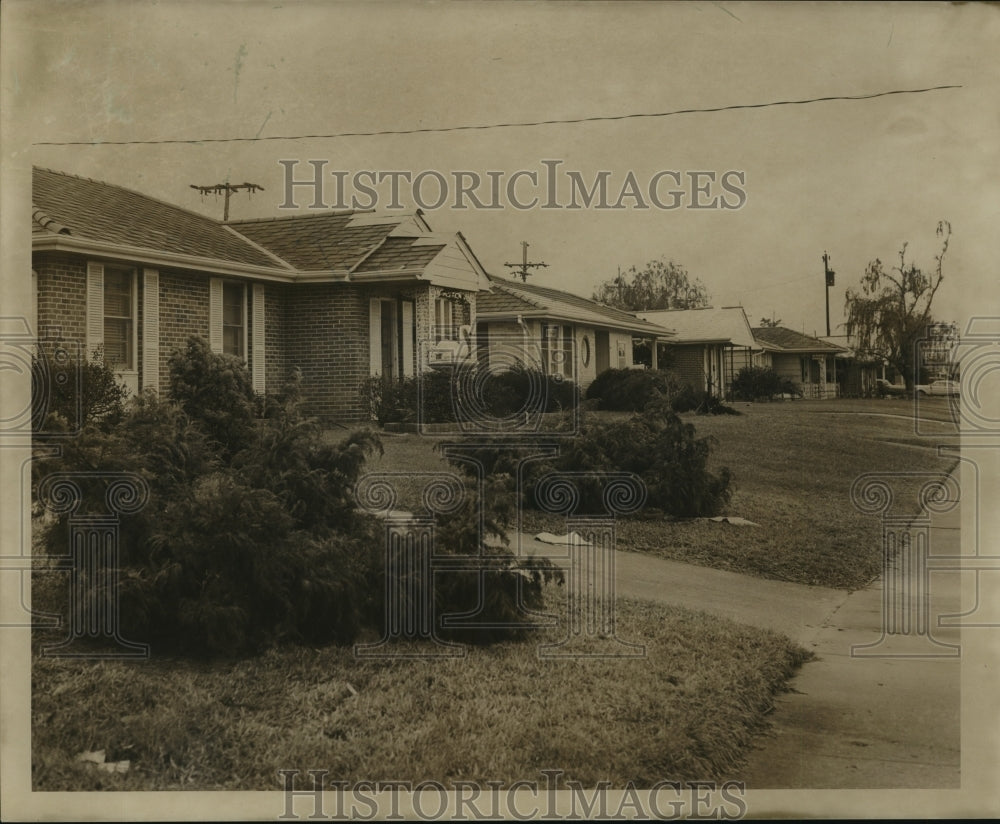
[90, 210]
[781, 339]
[724, 324]
[508, 298]
[400, 253]
[83, 215]
[320, 242]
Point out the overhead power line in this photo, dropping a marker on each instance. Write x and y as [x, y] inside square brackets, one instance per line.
[485, 126]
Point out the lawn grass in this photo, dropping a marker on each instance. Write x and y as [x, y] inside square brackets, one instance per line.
[793, 465]
[685, 711]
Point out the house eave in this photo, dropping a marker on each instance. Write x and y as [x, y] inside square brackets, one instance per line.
[154, 257]
[541, 314]
[782, 351]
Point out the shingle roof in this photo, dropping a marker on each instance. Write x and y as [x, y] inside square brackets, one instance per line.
[332, 240]
[93, 210]
[508, 297]
[724, 324]
[501, 300]
[780, 338]
[400, 253]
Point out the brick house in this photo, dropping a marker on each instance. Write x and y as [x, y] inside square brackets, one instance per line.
[570, 335]
[341, 296]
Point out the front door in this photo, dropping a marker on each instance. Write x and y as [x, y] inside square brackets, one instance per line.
[602, 352]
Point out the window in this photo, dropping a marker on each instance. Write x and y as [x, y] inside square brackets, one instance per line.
[557, 350]
[119, 318]
[234, 319]
[585, 353]
[445, 327]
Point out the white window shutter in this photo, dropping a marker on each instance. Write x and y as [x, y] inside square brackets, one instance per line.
[407, 338]
[375, 335]
[151, 329]
[257, 344]
[215, 314]
[95, 306]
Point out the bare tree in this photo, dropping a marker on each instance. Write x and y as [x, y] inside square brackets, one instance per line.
[892, 310]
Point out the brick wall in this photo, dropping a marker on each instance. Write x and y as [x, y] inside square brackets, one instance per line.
[62, 296]
[275, 363]
[326, 336]
[183, 312]
[689, 363]
[321, 328]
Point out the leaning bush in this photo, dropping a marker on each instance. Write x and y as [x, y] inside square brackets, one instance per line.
[689, 399]
[255, 539]
[631, 390]
[484, 596]
[247, 540]
[660, 448]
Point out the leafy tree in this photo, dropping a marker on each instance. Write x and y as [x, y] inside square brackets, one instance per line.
[770, 322]
[892, 310]
[660, 285]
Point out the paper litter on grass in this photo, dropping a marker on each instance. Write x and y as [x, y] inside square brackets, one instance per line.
[96, 757]
[732, 519]
[572, 538]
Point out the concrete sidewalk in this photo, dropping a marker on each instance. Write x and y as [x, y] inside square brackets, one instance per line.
[872, 722]
[849, 721]
[796, 610]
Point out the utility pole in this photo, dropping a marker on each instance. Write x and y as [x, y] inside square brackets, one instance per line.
[521, 269]
[828, 274]
[228, 189]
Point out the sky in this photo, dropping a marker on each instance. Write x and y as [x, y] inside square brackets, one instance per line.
[854, 178]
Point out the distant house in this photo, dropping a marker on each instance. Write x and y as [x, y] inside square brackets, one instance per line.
[858, 376]
[809, 362]
[572, 336]
[342, 296]
[710, 346]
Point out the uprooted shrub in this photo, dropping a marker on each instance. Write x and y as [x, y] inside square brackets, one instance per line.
[689, 399]
[662, 450]
[482, 591]
[657, 446]
[254, 537]
[631, 390]
[245, 540]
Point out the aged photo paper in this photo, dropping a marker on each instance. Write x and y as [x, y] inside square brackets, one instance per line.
[421, 198]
